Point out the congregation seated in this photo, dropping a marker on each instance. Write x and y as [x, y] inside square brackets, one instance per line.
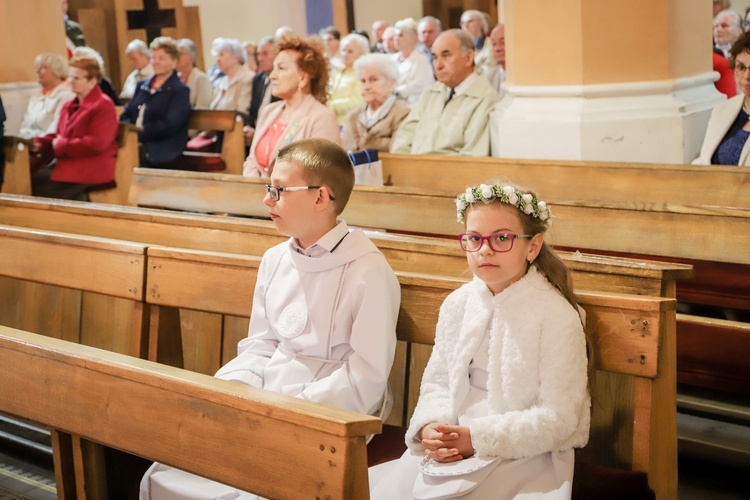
[84, 146]
[727, 30]
[725, 142]
[105, 84]
[477, 24]
[331, 38]
[346, 93]
[415, 73]
[232, 91]
[428, 29]
[43, 110]
[300, 79]
[195, 79]
[261, 91]
[161, 107]
[140, 59]
[452, 115]
[377, 29]
[374, 125]
[496, 74]
[251, 55]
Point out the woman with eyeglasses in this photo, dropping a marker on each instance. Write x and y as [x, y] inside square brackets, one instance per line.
[725, 142]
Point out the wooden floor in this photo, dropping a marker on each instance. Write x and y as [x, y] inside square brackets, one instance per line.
[697, 481]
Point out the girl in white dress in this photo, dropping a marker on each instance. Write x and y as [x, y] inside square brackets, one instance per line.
[504, 397]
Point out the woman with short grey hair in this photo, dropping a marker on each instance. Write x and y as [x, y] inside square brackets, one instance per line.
[234, 89]
[139, 56]
[43, 110]
[374, 125]
[196, 80]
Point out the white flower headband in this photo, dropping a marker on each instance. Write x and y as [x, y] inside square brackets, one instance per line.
[524, 202]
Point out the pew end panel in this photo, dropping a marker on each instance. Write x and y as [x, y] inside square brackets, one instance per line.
[159, 412]
[17, 169]
[230, 123]
[127, 160]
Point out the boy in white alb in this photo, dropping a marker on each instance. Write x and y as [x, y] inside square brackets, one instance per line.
[324, 311]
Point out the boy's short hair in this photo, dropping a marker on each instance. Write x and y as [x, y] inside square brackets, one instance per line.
[323, 162]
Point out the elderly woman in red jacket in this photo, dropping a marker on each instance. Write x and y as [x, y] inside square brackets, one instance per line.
[85, 144]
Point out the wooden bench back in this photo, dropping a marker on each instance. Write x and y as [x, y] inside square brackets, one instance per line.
[127, 160]
[70, 287]
[632, 337]
[186, 420]
[417, 254]
[647, 183]
[650, 229]
[229, 122]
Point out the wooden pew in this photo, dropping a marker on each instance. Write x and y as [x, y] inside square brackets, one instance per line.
[621, 226]
[17, 177]
[626, 332]
[230, 123]
[78, 288]
[648, 183]
[184, 419]
[18, 172]
[127, 160]
[700, 235]
[418, 254]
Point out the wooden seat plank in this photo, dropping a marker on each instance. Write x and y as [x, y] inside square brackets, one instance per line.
[713, 185]
[161, 413]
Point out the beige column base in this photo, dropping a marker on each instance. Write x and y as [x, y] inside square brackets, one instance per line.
[651, 122]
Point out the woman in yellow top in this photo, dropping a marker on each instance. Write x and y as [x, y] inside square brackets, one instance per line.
[345, 89]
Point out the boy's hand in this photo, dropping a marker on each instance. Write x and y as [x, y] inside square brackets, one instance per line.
[447, 443]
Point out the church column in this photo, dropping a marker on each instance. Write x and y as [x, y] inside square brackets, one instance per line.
[621, 80]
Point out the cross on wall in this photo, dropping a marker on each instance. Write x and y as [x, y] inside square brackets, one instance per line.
[152, 19]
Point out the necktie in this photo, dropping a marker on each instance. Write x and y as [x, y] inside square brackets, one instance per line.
[450, 96]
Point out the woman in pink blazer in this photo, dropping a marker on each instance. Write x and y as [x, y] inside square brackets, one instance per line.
[300, 79]
[85, 144]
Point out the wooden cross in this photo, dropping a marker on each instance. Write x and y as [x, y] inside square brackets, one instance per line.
[152, 19]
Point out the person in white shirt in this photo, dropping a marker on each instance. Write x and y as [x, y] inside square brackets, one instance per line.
[140, 58]
[414, 68]
[43, 110]
[323, 322]
[196, 80]
[727, 29]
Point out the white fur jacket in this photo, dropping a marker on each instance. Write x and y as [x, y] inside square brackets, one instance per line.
[538, 395]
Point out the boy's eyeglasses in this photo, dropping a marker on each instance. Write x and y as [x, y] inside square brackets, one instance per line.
[274, 192]
[498, 242]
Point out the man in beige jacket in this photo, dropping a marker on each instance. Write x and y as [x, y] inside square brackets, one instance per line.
[452, 114]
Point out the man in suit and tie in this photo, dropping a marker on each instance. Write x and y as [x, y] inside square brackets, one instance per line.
[261, 95]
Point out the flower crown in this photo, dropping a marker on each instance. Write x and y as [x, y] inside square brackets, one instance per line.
[524, 202]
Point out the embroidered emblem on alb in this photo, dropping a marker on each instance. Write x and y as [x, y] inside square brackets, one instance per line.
[293, 320]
